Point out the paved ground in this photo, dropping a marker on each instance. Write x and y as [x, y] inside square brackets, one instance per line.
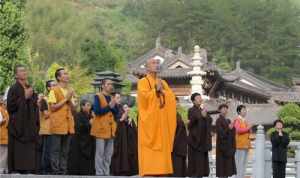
[52, 176]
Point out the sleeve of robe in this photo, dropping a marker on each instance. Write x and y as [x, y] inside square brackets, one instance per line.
[192, 126]
[148, 107]
[224, 134]
[278, 141]
[197, 137]
[14, 100]
[192, 119]
[180, 142]
[26, 128]
[83, 130]
[275, 139]
[132, 137]
[285, 140]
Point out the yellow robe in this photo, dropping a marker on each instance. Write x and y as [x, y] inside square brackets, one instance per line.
[156, 128]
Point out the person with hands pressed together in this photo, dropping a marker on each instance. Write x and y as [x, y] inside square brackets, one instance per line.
[156, 122]
[280, 141]
[199, 138]
[23, 125]
[124, 160]
[61, 121]
[45, 133]
[243, 142]
[82, 150]
[104, 126]
[225, 145]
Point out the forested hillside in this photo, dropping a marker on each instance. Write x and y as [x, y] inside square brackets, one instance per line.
[90, 35]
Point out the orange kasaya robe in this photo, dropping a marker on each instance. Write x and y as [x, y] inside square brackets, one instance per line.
[156, 128]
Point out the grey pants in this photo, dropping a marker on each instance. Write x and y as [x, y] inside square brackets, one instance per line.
[59, 153]
[104, 151]
[241, 160]
[3, 159]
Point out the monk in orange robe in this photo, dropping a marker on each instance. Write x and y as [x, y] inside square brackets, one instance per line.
[156, 123]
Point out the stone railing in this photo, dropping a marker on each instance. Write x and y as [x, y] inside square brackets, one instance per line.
[263, 157]
[260, 162]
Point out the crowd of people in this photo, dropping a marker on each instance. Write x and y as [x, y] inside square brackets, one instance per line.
[45, 134]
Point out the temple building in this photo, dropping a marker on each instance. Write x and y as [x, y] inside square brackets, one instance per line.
[179, 69]
[100, 76]
[189, 73]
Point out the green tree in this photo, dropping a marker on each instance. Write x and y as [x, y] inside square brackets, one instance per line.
[12, 40]
[56, 30]
[261, 34]
[80, 80]
[290, 115]
[127, 87]
[51, 71]
[97, 56]
[133, 114]
[183, 111]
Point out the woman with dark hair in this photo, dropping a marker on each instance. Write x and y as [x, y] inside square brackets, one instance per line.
[225, 146]
[199, 138]
[243, 144]
[179, 153]
[124, 161]
[82, 147]
[280, 141]
[45, 144]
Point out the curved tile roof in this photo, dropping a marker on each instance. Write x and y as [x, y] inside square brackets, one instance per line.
[237, 79]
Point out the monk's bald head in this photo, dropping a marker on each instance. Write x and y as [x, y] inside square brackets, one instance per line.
[152, 65]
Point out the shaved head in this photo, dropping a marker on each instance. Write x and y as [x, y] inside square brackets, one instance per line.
[151, 60]
[153, 65]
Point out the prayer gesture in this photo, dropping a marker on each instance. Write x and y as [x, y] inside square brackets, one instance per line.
[125, 114]
[126, 109]
[279, 130]
[204, 112]
[159, 86]
[28, 92]
[112, 103]
[249, 126]
[70, 94]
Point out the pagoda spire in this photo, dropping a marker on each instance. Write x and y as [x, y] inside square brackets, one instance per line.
[197, 73]
[238, 65]
[157, 42]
